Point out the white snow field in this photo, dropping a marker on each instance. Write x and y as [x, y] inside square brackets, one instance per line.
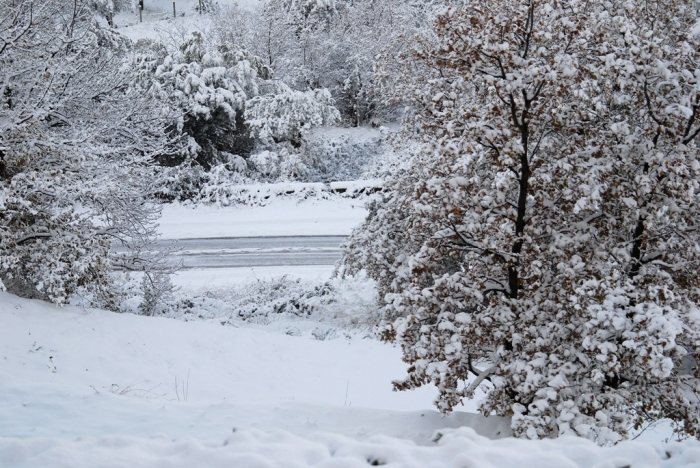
[89, 388]
[285, 217]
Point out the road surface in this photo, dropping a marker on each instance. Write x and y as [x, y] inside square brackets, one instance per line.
[238, 252]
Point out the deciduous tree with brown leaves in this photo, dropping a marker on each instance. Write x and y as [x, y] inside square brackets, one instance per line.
[544, 246]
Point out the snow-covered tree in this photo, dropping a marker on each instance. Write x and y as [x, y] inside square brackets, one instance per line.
[288, 115]
[76, 145]
[321, 44]
[544, 244]
[109, 7]
[229, 104]
[348, 50]
[236, 26]
[209, 85]
[306, 15]
[284, 33]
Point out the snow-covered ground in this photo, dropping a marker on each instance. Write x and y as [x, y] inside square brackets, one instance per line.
[196, 279]
[284, 217]
[68, 373]
[88, 388]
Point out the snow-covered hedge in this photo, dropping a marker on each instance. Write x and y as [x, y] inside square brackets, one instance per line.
[258, 194]
[348, 161]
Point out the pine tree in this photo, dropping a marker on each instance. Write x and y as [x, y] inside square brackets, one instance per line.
[209, 85]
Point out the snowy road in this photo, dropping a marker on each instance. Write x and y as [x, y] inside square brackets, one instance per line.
[238, 252]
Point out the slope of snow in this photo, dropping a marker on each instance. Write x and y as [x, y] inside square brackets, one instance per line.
[268, 449]
[90, 348]
[88, 388]
[284, 217]
[72, 372]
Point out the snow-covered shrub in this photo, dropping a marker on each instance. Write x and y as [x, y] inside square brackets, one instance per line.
[209, 85]
[289, 115]
[281, 165]
[157, 291]
[346, 304]
[266, 163]
[180, 183]
[544, 243]
[348, 156]
[234, 162]
[281, 171]
[284, 295]
[73, 134]
[292, 167]
[326, 155]
[225, 184]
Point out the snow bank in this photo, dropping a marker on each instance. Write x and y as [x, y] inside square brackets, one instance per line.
[197, 279]
[357, 186]
[284, 217]
[255, 448]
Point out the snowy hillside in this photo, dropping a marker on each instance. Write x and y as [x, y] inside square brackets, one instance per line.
[87, 388]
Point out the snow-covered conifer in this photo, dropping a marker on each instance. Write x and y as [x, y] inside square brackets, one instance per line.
[288, 115]
[209, 86]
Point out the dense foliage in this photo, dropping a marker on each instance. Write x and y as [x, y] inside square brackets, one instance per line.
[544, 245]
[77, 145]
[329, 44]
